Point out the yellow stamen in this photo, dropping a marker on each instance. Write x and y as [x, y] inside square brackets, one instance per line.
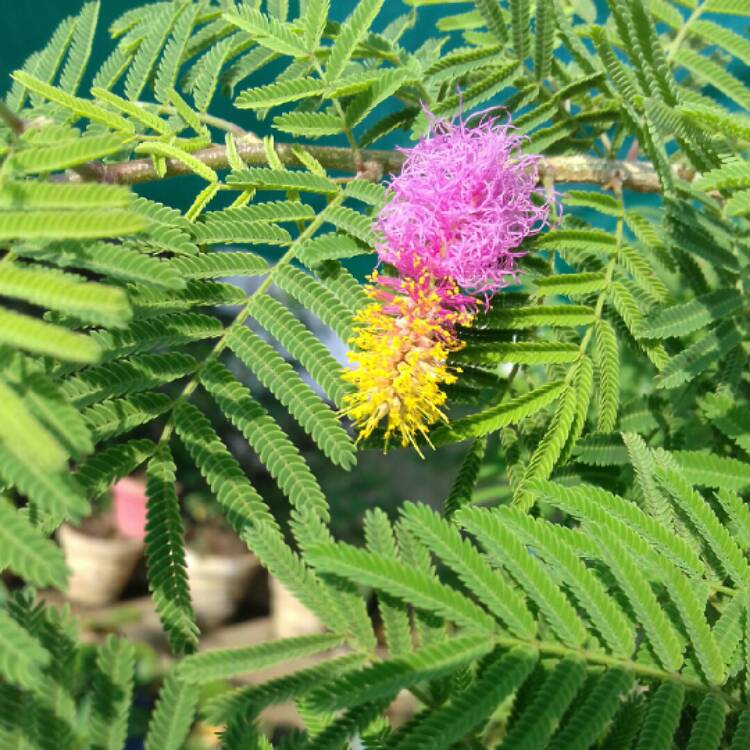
[401, 351]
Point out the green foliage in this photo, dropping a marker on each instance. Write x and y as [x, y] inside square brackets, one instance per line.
[165, 554]
[599, 595]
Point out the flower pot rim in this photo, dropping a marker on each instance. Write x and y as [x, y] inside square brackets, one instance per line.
[228, 562]
[118, 543]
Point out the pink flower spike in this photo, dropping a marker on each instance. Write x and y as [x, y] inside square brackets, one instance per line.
[462, 204]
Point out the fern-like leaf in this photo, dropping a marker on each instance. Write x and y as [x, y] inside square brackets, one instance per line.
[165, 553]
[463, 558]
[113, 688]
[215, 665]
[26, 552]
[241, 502]
[274, 448]
[279, 377]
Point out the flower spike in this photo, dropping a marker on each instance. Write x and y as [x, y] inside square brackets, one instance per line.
[465, 199]
[400, 352]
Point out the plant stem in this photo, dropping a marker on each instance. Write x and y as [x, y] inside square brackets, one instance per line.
[217, 122]
[608, 274]
[635, 175]
[683, 32]
[607, 660]
[11, 119]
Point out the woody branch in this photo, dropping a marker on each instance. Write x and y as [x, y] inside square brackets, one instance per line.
[638, 176]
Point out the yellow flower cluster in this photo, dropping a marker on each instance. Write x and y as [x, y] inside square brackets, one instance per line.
[400, 351]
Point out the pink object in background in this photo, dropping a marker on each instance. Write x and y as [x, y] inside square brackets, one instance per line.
[129, 498]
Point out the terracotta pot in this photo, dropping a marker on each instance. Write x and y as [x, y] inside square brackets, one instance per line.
[289, 616]
[100, 567]
[218, 584]
[129, 500]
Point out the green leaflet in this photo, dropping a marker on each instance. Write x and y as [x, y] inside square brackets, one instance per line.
[157, 30]
[709, 724]
[26, 552]
[570, 284]
[274, 94]
[503, 547]
[591, 595]
[309, 124]
[329, 247]
[44, 195]
[271, 443]
[440, 729]
[268, 32]
[314, 19]
[351, 32]
[539, 719]
[173, 716]
[396, 623]
[89, 301]
[601, 202]
[592, 713]
[680, 320]
[492, 419]
[125, 376]
[99, 472]
[241, 502]
[121, 262]
[662, 718]
[159, 331]
[237, 704]
[550, 447]
[21, 656]
[464, 559]
[282, 562]
[608, 365]
[302, 344]
[583, 240]
[75, 224]
[220, 264]
[306, 407]
[590, 503]
[694, 360]
[25, 437]
[386, 678]
[166, 150]
[213, 665]
[113, 687]
[464, 484]
[56, 494]
[281, 179]
[738, 204]
[707, 524]
[712, 73]
[169, 65]
[118, 416]
[401, 581]
[37, 337]
[81, 107]
[165, 553]
[352, 222]
[556, 316]
[520, 352]
[708, 470]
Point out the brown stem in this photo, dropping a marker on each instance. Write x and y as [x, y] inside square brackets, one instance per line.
[638, 176]
[11, 119]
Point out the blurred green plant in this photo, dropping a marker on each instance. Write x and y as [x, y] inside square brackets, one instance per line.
[601, 599]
